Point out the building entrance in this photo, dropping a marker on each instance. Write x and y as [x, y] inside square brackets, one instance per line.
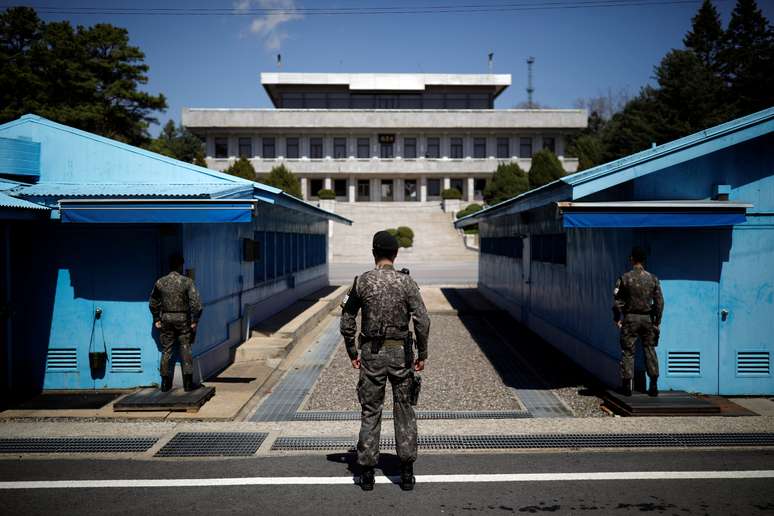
[388, 193]
[410, 190]
[363, 190]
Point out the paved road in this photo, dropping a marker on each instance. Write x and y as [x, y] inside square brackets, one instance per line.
[557, 495]
[448, 273]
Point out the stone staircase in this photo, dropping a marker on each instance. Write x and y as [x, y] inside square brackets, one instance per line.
[435, 238]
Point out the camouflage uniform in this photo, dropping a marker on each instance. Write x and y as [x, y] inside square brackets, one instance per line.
[175, 302]
[388, 300]
[639, 304]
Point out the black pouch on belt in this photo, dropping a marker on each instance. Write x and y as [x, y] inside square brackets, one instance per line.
[416, 387]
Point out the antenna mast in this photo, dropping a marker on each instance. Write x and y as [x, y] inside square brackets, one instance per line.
[530, 89]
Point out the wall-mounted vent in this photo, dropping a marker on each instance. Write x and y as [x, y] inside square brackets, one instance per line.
[125, 360]
[62, 359]
[753, 363]
[684, 363]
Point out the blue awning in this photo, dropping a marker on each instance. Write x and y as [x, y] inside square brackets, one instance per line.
[651, 220]
[164, 211]
[653, 214]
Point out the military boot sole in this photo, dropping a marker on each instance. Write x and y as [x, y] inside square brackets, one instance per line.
[408, 485]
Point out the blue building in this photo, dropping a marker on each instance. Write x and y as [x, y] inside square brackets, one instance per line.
[703, 208]
[88, 223]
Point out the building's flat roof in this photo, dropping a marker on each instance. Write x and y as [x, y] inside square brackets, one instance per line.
[656, 205]
[403, 82]
[322, 119]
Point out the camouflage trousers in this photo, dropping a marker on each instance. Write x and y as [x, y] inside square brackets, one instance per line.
[634, 326]
[176, 333]
[375, 370]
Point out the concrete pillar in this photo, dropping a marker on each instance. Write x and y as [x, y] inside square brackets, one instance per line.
[423, 189]
[470, 188]
[328, 183]
[397, 190]
[446, 183]
[376, 189]
[352, 189]
[304, 189]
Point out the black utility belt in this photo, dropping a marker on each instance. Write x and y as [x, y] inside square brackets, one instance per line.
[174, 311]
[383, 342]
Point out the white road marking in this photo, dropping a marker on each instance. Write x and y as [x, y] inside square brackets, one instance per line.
[423, 479]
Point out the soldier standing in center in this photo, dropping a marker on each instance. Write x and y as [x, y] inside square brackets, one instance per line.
[389, 299]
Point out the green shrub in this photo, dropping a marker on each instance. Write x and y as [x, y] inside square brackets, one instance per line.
[509, 180]
[451, 193]
[471, 230]
[281, 177]
[404, 235]
[545, 168]
[405, 231]
[326, 194]
[242, 168]
[470, 208]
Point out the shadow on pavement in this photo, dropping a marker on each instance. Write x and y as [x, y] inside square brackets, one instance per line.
[389, 464]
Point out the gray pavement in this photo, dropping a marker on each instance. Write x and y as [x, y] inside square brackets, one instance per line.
[438, 273]
[333, 492]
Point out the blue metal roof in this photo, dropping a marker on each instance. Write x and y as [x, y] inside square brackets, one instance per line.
[113, 190]
[6, 201]
[587, 182]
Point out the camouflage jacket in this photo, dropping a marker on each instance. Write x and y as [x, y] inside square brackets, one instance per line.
[175, 294]
[638, 292]
[388, 300]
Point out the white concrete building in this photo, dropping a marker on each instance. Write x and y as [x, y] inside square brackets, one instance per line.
[384, 137]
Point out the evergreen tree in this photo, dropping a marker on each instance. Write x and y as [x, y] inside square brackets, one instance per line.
[178, 143]
[87, 77]
[545, 168]
[242, 168]
[509, 180]
[747, 59]
[706, 35]
[589, 150]
[281, 177]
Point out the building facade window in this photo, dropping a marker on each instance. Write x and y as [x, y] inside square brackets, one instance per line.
[340, 187]
[316, 148]
[363, 190]
[525, 147]
[456, 149]
[433, 148]
[221, 147]
[457, 184]
[479, 184]
[269, 148]
[503, 148]
[434, 188]
[363, 148]
[386, 150]
[292, 150]
[245, 147]
[549, 142]
[339, 148]
[315, 185]
[388, 192]
[479, 148]
[409, 148]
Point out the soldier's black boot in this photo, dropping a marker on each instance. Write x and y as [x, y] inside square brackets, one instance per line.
[367, 479]
[653, 389]
[407, 479]
[166, 383]
[626, 387]
[188, 384]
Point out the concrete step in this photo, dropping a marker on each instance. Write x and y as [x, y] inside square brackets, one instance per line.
[263, 348]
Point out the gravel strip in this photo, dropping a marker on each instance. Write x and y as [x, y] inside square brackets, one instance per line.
[457, 377]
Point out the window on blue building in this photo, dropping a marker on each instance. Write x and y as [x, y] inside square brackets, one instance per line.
[550, 248]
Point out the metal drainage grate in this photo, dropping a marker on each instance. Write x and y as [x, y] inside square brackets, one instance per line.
[425, 414]
[77, 445]
[478, 442]
[213, 444]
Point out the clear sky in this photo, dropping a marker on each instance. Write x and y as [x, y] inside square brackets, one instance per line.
[580, 51]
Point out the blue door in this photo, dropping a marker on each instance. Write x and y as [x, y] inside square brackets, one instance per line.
[746, 315]
[688, 264]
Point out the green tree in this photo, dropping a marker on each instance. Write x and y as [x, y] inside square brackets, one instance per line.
[747, 59]
[86, 77]
[509, 180]
[545, 168]
[589, 150]
[281, 177]
[242, 168]
[705, 38]
[178, 143]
